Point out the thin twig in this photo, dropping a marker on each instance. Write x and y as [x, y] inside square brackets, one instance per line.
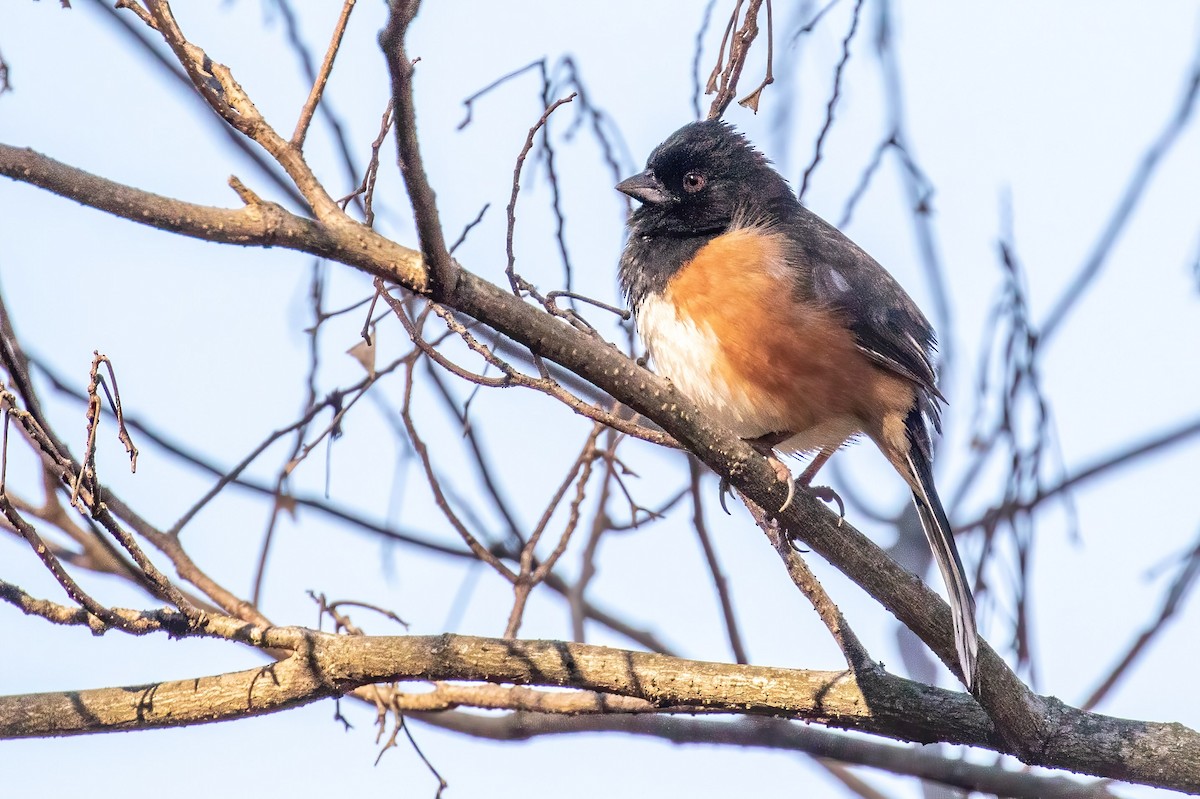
[739, 49]
[366, 189]
[857, 657]
[833, 98]
[751, 100]
[318, 87]
[481, 552]
[530, 576]
[714, 567]
[469, 227]
[1104, 246]
[469, 103]
[811, 25]
[55, 567]
[516, 281]
[698, 53]
[864, 180]
[1183, 583]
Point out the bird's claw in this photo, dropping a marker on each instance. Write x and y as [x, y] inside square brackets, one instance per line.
[794, 543]
[723, 491]
[785, 476]
[827, 495]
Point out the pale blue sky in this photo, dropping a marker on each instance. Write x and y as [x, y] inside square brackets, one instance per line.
[1053, 105]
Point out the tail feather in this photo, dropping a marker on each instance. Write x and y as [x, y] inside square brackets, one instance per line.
[945, 553]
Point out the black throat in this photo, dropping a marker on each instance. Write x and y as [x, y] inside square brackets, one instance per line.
[650, 261]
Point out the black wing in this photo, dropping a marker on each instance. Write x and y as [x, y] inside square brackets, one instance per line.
[888, 325]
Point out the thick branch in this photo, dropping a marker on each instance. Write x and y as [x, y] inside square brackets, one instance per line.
[261, 225]
[779, 734]
[444, 271]
[327, 665]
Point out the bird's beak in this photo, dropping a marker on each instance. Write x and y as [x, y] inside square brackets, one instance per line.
[646, 187]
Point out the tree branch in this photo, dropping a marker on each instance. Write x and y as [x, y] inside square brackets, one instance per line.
[262, 224]
[777, 734]
[444, 271]
[327, 665]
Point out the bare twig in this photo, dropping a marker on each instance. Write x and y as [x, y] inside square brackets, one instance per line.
[518, 283]
[725, 75]
[811, 25]
[751, 100]
[833, 98]
[714, 567]
[852, 648]
[55, 567]
[298, 451]
[95, 383]
[1159, 148]
[530, 576]
[469, 227]
[444, 272]
[483, 463]
[919, 190]
[469, 103]
[295, 39]
[5, 83]
[366, 189]
[322, 77]
[865, 179]
[1126, 456]
[698, 53]
[600, 525]
[624, 313]
[481, 552]
[1183, 584]
[514, 377]
[131, 621]
[233, 476]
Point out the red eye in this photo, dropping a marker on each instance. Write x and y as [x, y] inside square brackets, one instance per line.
[693, 182]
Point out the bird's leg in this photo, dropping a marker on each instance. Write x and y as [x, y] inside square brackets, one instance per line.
[823, 493]
[765, 445]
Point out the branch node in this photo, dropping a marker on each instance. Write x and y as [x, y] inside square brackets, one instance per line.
[244, 193]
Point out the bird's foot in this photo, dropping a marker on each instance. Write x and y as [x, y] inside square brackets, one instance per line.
[765, 446]
[782, 473]
[785, 476]
[828, 495]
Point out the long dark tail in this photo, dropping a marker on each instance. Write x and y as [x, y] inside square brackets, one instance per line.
[941, 541]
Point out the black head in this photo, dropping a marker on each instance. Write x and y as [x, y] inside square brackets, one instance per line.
[698, 181]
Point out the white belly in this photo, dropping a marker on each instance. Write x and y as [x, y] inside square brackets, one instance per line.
[689, 355]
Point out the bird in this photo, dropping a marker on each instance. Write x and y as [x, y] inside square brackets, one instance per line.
[780, 328]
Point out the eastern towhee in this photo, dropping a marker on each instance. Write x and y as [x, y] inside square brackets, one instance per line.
[781, 328]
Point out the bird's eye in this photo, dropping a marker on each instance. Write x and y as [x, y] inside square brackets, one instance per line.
[693, 182]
